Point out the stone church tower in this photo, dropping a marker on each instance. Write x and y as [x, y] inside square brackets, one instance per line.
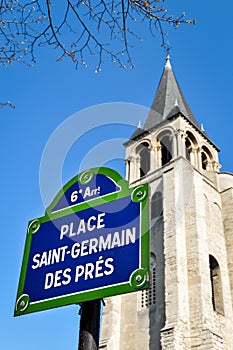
[189, 304]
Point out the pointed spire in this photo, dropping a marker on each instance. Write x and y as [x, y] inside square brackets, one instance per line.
[168, 63]
[169, 100]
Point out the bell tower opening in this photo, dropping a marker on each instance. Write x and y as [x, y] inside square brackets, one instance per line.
[188, 148]
[144, 158]
[166, 149]
[165, 142]
[216, 285]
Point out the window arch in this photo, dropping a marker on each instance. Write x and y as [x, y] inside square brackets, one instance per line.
[166, 149]
[216, 285]
[166, 143]
[190, 144]
[144, 158]
[206, 158]
[188, 148]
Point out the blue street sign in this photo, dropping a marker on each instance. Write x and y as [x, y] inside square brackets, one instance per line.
[94, 248]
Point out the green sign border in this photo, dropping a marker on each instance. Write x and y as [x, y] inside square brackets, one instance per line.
[139, 279]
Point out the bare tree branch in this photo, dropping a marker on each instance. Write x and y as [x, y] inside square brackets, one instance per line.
[80, 29]
[6, 104]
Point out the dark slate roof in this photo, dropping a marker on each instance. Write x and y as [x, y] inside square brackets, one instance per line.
[137, 134]
[139, 131]
[169, 99]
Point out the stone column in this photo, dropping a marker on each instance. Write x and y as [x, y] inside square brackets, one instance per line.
[199, 160]
[127, 169]
[153, 157]
[137, 162]
[181, 136]
[159, 156]
[128, 163]
[174, 145]
[194, 159]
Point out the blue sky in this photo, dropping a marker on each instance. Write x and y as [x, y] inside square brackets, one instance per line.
[47, 94]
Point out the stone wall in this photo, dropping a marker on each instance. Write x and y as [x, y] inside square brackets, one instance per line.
[193, 309]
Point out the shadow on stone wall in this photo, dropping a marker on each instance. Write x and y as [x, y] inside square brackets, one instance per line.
[157, 311]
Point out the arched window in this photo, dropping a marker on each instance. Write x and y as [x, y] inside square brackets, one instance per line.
[216, 285]
[166, 149]
[188, 148]
[156, 205]
[206, 158]
[190, 145]
[144, 154]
